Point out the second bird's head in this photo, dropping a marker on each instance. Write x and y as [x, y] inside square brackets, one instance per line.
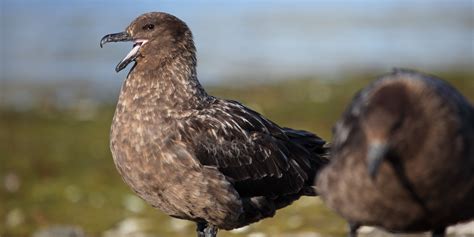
[401, 112]
[157, 37]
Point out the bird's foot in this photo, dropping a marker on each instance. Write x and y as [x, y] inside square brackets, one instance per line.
[439, 232]
[353, 227]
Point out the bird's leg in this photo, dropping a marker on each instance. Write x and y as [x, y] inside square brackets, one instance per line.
[210, 231]
[205, 230]
[353, 227]
[200, 227]
[439, 232]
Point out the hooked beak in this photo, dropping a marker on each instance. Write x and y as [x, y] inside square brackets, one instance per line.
[121, 37]
[376, 153]
[117, 37]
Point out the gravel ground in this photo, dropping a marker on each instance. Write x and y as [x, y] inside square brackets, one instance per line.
[140, 227]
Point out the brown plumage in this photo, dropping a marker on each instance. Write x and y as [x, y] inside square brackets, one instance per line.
[402, 157]
[194, 156]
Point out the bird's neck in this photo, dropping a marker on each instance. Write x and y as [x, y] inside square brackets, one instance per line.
[165, 87]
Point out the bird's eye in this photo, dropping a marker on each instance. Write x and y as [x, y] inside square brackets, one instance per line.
[149, 27]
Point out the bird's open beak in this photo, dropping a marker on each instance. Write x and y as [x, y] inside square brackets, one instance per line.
[376, 153]
[120, 37]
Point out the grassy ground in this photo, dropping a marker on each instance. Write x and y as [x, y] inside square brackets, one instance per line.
[56, 168]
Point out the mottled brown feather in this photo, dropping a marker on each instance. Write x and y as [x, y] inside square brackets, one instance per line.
[195, 156]
[426, 181]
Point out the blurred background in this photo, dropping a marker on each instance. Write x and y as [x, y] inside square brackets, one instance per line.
[297, 62]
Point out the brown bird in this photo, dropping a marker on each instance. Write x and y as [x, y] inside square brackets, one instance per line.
[402, 157]
[195, 156]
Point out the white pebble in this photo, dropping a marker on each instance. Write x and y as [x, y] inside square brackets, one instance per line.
[240, 230]
[257, 234]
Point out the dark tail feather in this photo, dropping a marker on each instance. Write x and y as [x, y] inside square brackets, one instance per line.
[316, 146]
[311, 142]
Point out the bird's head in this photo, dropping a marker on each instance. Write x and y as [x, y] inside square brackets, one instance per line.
[156, 36]
[389, 121]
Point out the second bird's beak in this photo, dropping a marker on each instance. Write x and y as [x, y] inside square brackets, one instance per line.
[376, 153]
[120, 37]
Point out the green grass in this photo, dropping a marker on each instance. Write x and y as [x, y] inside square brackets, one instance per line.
[68, 177]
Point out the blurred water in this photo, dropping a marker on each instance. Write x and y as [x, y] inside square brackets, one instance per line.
[58, 40]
